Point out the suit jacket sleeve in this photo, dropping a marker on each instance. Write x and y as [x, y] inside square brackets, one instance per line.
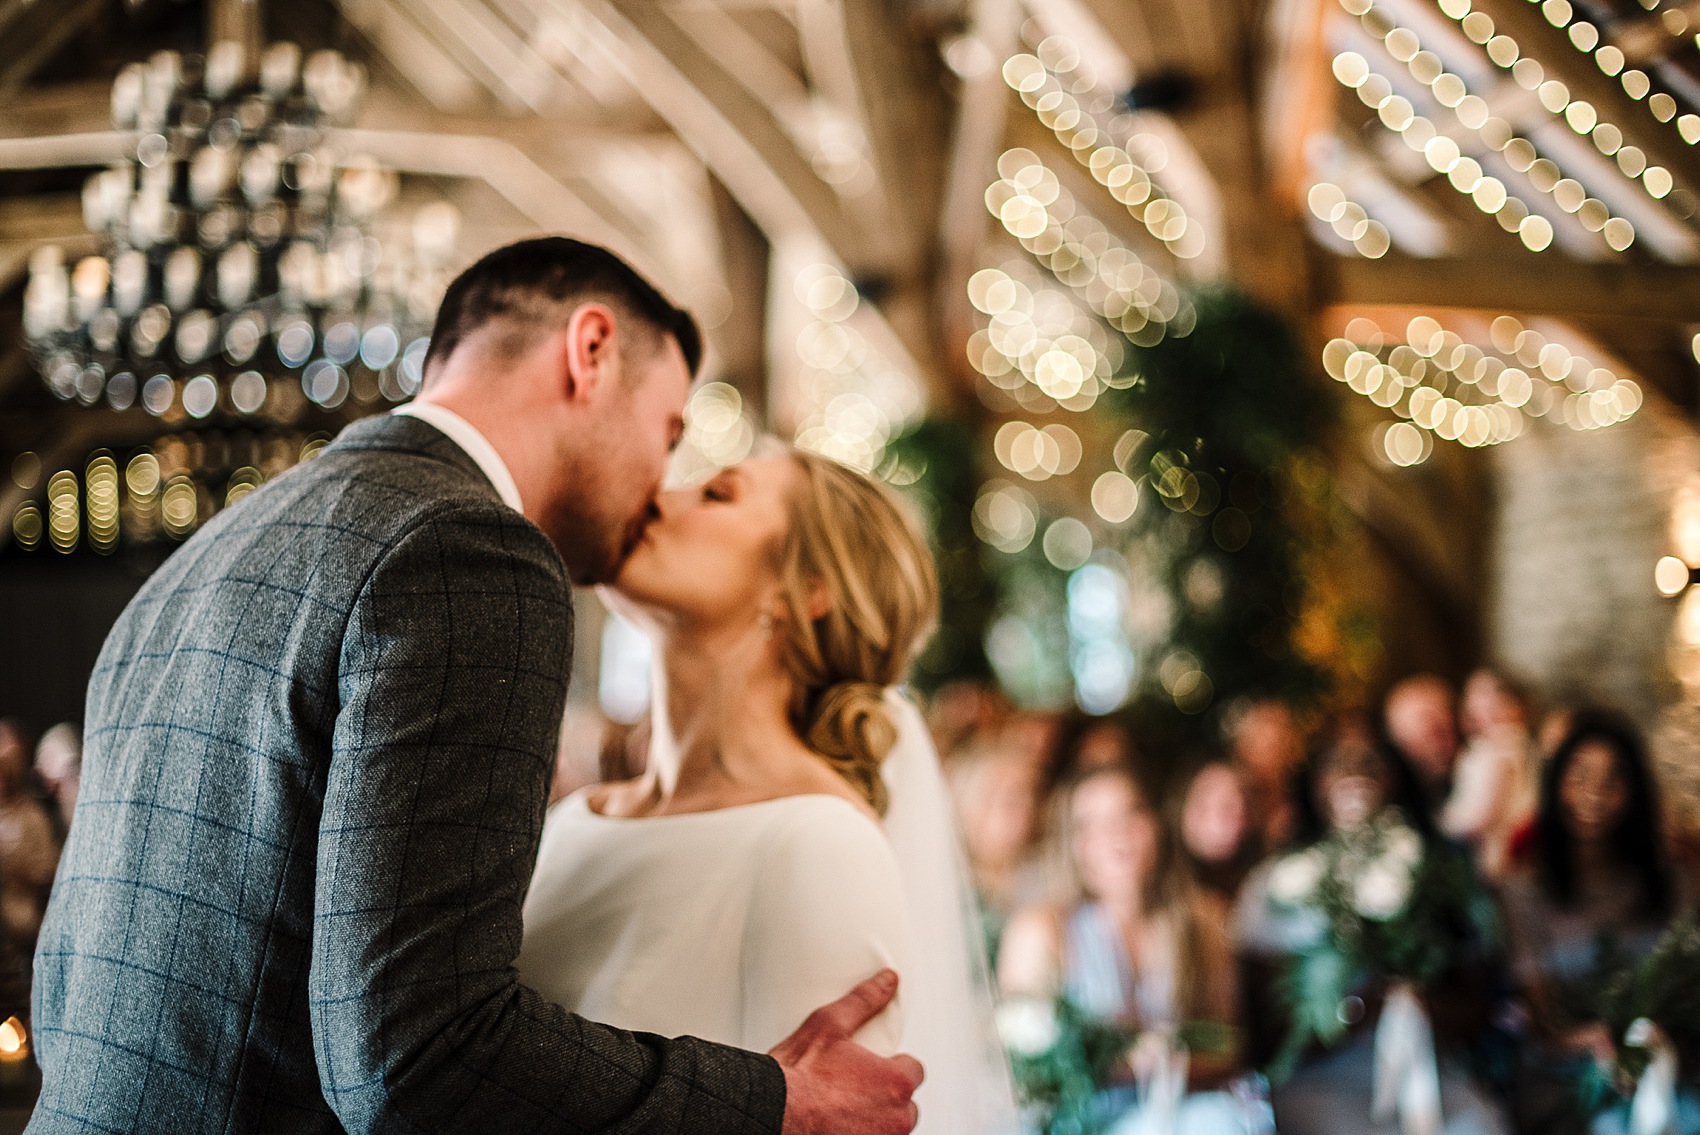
[451, 683]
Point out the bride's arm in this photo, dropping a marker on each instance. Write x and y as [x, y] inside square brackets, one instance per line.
[826, 913]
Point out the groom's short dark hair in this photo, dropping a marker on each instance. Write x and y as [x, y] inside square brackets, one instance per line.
[535, 284]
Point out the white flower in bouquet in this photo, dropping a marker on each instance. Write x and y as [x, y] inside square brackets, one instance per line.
[1028, 1026]
[1404, 846]
[1381, 890]
[1294, 878]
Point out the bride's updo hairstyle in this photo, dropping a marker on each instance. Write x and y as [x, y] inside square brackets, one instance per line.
[854, 550]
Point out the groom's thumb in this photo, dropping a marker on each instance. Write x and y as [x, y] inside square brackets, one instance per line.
[862, 1004]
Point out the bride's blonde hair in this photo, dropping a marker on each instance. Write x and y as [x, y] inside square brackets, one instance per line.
[854, 549]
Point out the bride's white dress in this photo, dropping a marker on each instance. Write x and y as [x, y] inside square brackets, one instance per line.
[731, 925]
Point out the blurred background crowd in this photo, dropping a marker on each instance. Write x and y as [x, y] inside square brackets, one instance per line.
[1260, 371]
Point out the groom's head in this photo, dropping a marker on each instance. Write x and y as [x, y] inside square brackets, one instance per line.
[577, 368]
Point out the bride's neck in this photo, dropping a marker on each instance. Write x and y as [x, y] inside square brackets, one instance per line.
[720, 730]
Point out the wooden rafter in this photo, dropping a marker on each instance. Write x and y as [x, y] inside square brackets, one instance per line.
[1550, 46]
[1527, 284]
[32, 33]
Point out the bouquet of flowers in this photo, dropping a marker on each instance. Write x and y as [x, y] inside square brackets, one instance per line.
[1652, 1013]
[1060, 1058]
[1388, 907]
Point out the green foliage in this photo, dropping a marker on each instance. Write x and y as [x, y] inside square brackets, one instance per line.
[1227, 411]
[936, 466]
[1664, 988]
[1226, 422]
[1058, 1086]
[1441, 921]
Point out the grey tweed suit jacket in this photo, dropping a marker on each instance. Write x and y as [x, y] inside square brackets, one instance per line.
[319, 747]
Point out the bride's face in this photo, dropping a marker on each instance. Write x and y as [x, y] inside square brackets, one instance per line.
[712, 553]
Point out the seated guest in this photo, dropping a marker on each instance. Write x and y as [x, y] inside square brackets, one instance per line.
[1597, 869]
[1351, 779]
[1267, 749]
[1212, 827]
[996, 789]
[1421, 720]
[1131, 948]
[59, 767]
[1497, 778]
[28, 853]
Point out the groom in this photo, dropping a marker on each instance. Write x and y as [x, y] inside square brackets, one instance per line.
[319, 745]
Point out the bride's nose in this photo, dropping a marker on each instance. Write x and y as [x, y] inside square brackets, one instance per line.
[669, 503]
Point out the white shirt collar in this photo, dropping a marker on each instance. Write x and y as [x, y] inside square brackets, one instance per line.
[464, 434]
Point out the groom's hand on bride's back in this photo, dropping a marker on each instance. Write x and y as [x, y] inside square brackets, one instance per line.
[834, 1086]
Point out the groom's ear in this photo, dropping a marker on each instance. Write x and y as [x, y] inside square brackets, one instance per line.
[589, 351]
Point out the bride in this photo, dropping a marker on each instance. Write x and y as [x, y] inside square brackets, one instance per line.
[791, 835]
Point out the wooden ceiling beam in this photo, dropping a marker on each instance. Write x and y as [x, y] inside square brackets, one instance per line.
[32, 33]
[1552, 48]
[1264, 243]
[1529, 284]
[739, 138]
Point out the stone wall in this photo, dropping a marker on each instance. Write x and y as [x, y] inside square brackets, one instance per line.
[1581, 519]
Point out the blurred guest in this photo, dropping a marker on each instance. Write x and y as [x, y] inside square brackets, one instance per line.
[1131, 948]
[59, 767]
[1421, 718]
[1555, 727]
[1081, 743]
[1496, 782]
[1597, 870]
[1267, 748]
[1213, 828]
[28, 853]
[1349, 780]
[964, 712]
[996, 789]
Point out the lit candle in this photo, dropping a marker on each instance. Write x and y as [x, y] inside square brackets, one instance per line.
[88, 284]
[129, 281]
[182, 277]
[278, 69]
[14, 1052]
[236, 271]
[209, 174]
[224, 68]
[127, 96]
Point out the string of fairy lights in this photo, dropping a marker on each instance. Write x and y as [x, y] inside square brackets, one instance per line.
[1081, 111]
[166, 490]
[1441, 384]
[1586, 38]
[1043, 345]
[1474, 114]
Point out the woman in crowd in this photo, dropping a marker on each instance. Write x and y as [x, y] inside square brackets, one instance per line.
[1212, 825]
[1350, 780]
[1132, 948]
[1266, 748]
[1597, 868]
[997, 800]
[1496, 782]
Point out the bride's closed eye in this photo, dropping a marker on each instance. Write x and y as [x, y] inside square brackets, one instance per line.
[719, 490]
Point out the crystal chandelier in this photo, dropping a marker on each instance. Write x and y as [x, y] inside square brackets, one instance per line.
[240, 251]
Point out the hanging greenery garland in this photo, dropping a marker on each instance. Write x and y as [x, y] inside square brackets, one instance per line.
[1213, 511]
[1223, 430]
